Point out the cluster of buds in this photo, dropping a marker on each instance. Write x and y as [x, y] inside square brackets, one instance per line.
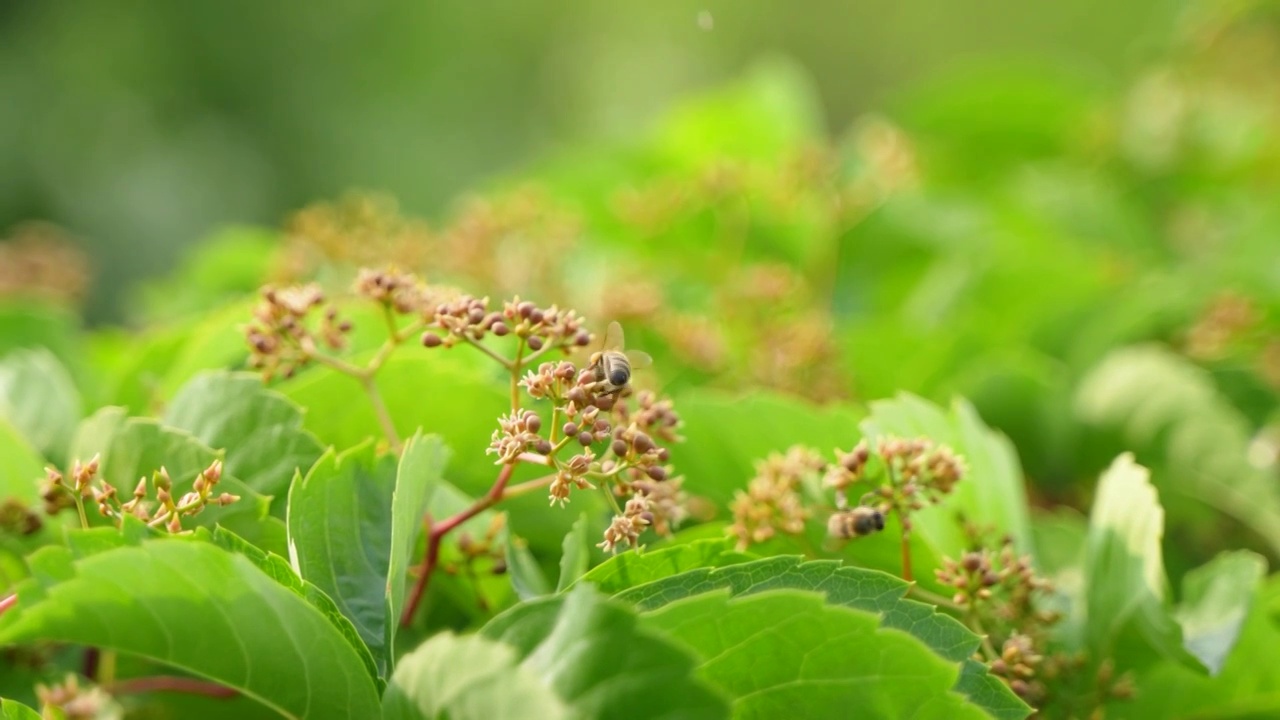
[773, 502]
[401, 292]
[58, 494]
[469, 319]
[635, 517]
[1002, 581]
[917, 472]
[168, 512]
[279, 338]
[1018, 665]
[75, 702]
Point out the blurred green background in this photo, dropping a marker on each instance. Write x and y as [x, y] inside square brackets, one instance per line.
[141, 127]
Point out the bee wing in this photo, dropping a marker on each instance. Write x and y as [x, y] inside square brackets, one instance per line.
[639, 359]
[613, 339]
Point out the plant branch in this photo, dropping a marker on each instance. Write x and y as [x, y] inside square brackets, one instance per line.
[380, 410]
[436, 533]
[8, 601]
[906, 553]
[170, 683]
[933, 598]
[515, 376]
[485, 349]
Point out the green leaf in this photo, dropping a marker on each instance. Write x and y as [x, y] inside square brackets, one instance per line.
[417, 478]
[869, 590]
[1215, 601]
[785, 653]
[1124, 612]
[21, 467]
[40, 399]
[339, 523]
[14, 710]
[1164, 403]
[231, 263]
[526, 577]
[464, 678]
[591, 652]
[194, 606]
[576, 558]
[259, 430]
[992, 491]
[630, 569]
[134, 448]
[436, 393]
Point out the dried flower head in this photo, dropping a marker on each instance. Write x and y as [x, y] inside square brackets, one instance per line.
[40, 259]
[772, 502]
[281, 337]
[626, 528]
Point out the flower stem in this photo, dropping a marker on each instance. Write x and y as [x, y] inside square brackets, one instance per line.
[7, 602]
[515, 376]
[380, 410]
[906, 553]
[436, 533]
[84, 519]
[484, 349]
[933, 598]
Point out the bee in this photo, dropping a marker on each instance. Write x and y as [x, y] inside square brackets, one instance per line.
[613, 364]
[858, 522]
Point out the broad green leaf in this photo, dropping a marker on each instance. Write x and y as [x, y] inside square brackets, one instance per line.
[434, 392]
[21, 467]
[1247, 686]
[40, 399]
[215, 342]
[417, 478]
[232, 263]
[30, 325]
[630, 569]
[1215, 601]
[14, 710]
[591, 652]
[725, 434]
[467, 678]
[259, 430]
[1169, 406]
[130, 449]
[1124, 611]
[194, 606]
[869, 590]
[526, 577]
[992, 491]
[340, 537]
[576, 558]
[786, 653]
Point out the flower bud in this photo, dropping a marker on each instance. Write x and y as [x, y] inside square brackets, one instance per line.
[585, 438]
[657, 472]
[619, 448]
[431, 340]
[570, 429]
[500, 329]
[542, 447]
[535, 342]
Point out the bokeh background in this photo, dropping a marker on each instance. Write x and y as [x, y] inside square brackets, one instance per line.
[142, 127]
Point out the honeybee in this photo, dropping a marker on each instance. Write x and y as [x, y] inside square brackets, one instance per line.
[613, 364]
[859, 521]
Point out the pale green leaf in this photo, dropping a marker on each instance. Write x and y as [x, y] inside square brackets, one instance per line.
[39, 398]
[786, 653]
[195, 606]
[467, 678]
[1163, 402]
[629, 569]
[21, 467]
[526, 577]
[417, 478]
[591, 653]
[14, 710]
[1215, 601]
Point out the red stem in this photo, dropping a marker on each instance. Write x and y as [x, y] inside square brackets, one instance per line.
[7, 602]
[436, 533]
[171, 684]
[906, 556]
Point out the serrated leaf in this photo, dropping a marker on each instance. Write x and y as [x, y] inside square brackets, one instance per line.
[868, 590]
[1156, 396]
[467, 678]
[1124, 613]
[526, 577]
[259, 430]
[195, 606]
[1215, 601]
[822, 660]
[39, 398]
[629, 569]
[591, 652]
[417, 478]
[339, 522]
[576, 556]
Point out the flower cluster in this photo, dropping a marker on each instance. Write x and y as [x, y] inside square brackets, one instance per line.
[74, 701]
[773, 502]
[401, 292]
[467, 318]
[18, 519]
[917, 473]
[280, 339]
[59, 494]
[39, 259]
